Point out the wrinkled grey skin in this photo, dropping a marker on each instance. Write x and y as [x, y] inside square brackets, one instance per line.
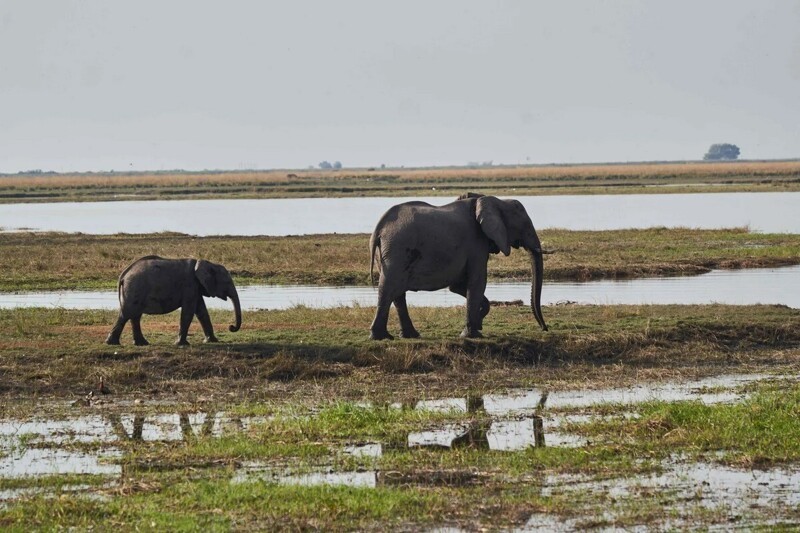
[153, 285]
[427, 248]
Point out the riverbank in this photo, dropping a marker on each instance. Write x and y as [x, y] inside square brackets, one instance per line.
[679, 177]
[57, 261]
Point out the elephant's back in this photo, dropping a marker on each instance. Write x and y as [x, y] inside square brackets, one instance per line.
[139, 265]
[417, 212]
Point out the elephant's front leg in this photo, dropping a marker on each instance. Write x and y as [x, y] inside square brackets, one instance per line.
[407, 329]
[187, 313]
[461, 288]
[476, 287]
[205, 321]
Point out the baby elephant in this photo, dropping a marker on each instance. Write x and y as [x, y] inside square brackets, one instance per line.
[156, 286]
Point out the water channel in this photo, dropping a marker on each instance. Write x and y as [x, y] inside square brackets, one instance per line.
[762, 212]
[735, 287]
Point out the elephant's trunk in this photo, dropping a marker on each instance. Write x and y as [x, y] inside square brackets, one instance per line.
[537, 275]
[237, 309]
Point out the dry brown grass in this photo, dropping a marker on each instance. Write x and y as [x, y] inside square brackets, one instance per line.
[756, 175]
[67, 261]
[178, 179]
[317, 353]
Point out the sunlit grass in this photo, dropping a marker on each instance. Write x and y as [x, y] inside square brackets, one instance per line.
[506, 180]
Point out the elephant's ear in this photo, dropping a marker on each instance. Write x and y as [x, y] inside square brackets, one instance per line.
[206, 274]
[487, 211]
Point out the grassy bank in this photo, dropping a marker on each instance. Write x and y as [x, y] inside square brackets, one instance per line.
[326, 353]
[314, 385]
[507, 180]
[67, 261]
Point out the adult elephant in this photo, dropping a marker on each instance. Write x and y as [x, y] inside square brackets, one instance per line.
[154, 285]
[426, 248]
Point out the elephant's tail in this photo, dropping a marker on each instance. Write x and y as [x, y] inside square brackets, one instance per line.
[374, 243]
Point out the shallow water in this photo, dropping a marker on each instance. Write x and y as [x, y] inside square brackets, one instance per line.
[739, 497]
[736, 287]
[34, 462]
[40, 446]
[763, 212]
[513, 427]
[717, 389]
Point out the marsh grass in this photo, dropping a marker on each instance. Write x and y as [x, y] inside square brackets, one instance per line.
[517, 180]
[759, 432]
[165, 485]
[45, 261]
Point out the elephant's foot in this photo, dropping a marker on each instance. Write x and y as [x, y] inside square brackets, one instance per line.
[140, 342]
[380, 335]
[412, 334]
[212, 338]
[181, 342]
[469, 333]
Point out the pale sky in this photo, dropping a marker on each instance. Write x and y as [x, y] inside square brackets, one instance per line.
[101, 85]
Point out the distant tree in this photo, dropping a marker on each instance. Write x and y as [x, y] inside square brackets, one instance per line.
[325, 165]
[722, 151]
[337, 165]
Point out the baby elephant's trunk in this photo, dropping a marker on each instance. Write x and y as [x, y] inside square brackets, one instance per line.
[237, 308]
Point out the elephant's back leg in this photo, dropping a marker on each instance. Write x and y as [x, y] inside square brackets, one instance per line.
[116, 331]
[407, 328]
[133, 294]
[387, 293]
[136, 325]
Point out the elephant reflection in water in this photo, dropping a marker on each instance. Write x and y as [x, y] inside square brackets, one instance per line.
[206, 429]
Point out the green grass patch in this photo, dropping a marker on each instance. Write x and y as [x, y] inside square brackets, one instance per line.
[760, 431]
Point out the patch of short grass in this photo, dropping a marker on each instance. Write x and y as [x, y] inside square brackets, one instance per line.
[762, 430]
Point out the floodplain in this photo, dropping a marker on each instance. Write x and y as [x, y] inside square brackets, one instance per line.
[640, 413]
[620, 416]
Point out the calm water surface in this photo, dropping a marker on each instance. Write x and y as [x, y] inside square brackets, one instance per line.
[763, 212]
[736, 287]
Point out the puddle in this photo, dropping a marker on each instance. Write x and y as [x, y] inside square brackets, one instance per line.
[31, 447]
[34, 462]
[446, 436]
[517, 422]
[526, 401]
[732, 493]
[513, 435]
[364, 450]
